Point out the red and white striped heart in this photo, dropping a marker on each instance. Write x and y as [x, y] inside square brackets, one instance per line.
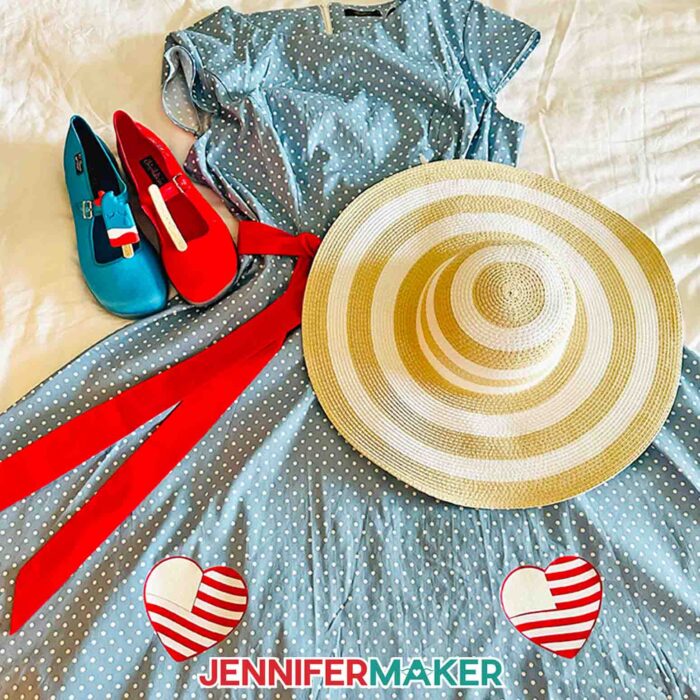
[557, 607]
[192, 610]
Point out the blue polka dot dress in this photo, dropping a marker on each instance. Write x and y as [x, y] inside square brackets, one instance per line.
[340, 558]
[295, 117]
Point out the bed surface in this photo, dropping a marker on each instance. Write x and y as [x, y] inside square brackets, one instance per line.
[612, 107]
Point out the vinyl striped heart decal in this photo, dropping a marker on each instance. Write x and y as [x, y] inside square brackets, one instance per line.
[557, 607]
[192, 610]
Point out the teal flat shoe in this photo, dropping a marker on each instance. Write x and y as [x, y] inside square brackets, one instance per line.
[121, 267]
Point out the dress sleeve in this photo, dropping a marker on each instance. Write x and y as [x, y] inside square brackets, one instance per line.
[496, 46]
[205, 67]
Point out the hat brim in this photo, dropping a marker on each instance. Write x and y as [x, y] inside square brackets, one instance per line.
[593, 415]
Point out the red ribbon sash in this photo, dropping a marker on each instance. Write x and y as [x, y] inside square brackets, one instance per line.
[199, 388]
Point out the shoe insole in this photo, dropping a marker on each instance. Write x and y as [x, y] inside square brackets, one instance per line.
[99, 166]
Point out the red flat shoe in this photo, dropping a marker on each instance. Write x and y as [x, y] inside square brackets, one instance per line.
[198, 252]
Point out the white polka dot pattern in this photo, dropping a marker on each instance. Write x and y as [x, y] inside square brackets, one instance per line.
[339, 557]
[293, 124]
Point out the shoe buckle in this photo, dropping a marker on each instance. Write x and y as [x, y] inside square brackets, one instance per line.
[87, 209]
[180, 185]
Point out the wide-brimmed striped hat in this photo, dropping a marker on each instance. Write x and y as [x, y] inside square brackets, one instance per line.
[490, 336]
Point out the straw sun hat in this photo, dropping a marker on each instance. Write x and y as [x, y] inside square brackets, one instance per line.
[491, 337]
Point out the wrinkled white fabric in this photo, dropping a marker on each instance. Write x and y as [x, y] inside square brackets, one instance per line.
[611, 99]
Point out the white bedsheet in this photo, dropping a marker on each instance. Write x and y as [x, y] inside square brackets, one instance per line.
[611, 98]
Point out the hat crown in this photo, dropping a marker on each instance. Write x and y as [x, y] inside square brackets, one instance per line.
[503, 306]
[509, 294]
